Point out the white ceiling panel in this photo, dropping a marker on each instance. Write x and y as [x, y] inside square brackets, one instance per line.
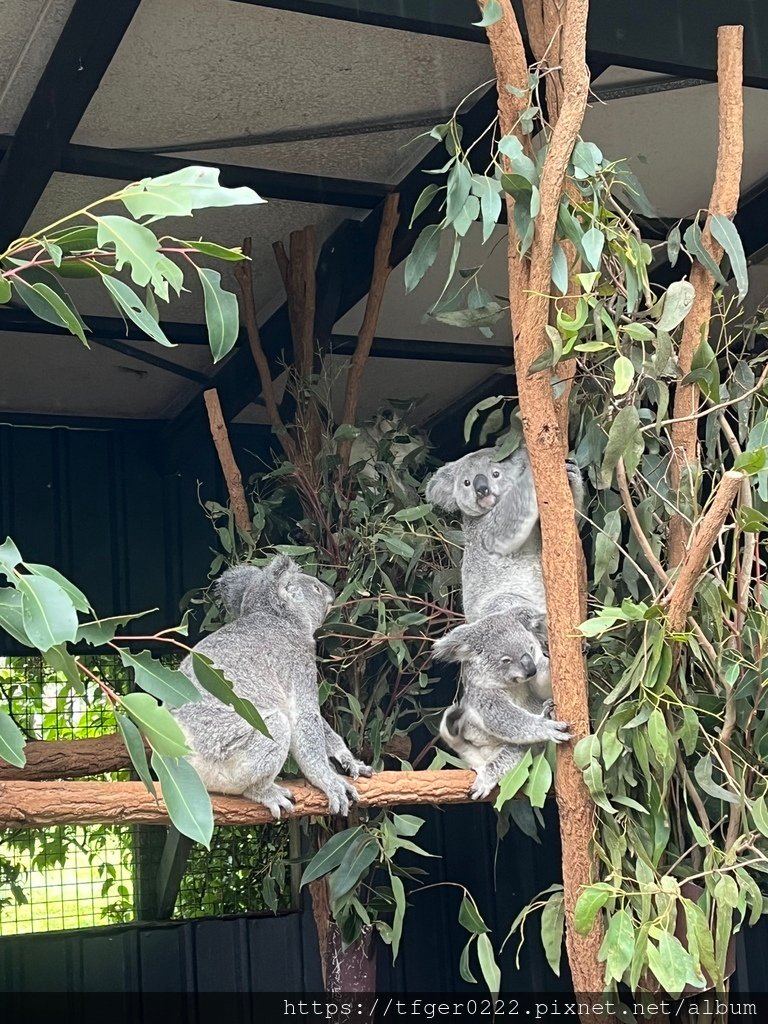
[207, 69]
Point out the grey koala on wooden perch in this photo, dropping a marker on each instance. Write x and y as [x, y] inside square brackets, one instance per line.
[505, 706]
[501, 567]
[268, 653]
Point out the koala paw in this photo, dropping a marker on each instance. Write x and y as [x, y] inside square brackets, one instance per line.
[353, 768]
[340, 795]
[559, 732]
[482, 786]
[275, 798]
[547, 708]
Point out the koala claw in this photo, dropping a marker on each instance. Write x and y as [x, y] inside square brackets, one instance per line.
[275, 798]
[340, 795]
[482, 786]
[560, 732]
[354, 768]
[547, 708]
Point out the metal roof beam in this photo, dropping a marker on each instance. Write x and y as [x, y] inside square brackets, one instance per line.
[668, 36]
[83, 52]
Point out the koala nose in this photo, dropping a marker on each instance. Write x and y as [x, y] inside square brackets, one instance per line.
[480, 483]
[527, 665]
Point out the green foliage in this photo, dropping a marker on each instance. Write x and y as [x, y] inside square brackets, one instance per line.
[40, 608]
[676, 767]
[31, 267]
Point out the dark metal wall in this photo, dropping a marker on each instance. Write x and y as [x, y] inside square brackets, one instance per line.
[103, 508]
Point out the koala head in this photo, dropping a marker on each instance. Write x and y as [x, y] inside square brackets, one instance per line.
[294, 594]
[473, 484]
[281, 586]
[241, 589]
[507, 648]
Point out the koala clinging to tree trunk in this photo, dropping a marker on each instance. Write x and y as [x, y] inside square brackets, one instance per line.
[268, 653]
[504, 708]
[501, 567]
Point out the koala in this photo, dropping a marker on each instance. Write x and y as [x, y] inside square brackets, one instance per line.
[506, 704]
[268, 653]
[387, 436]
[501, 567]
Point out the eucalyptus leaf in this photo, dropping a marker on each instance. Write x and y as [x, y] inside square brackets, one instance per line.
[724, 231]
[185, 796]
[221, 314]
[12, 741]
[181, 192]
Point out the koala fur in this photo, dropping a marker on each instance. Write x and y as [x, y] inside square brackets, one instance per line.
[268, 653]
[388, 437]
[505, 706]
[501, 567]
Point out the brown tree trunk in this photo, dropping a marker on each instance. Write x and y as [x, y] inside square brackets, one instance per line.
[724, 199]
[543, 423]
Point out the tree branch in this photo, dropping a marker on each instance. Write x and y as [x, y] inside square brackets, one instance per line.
[51, 803]
[381, 271]
[529, 289]
[681, 597]
[228, 462]
[723, 201]
[244, 280]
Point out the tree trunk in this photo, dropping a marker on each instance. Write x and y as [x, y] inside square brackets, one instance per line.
[529, 290]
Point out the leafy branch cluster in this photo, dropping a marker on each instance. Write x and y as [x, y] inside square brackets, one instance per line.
[676, 764]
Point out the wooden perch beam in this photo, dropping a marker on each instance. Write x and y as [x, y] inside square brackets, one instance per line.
[37, 804]
[69, 759]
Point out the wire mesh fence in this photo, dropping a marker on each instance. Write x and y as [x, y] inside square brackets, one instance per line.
[77, 876]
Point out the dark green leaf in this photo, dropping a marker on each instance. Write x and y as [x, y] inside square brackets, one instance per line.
[469, 916]
[134, 744]
[167, 684]
[60, 660]
[129, 302]
[559, 269]
[677, 304]
[552, 930]
[424, 200]
[724, 231]
[12, 741]
[590, 901]
[47, 611]
[694, 245]
[330, 854]
[101, 631]
[618, 945]
[422, 256]
[10, 615]
[221, 314]
[488, 965]
[674, 242]
[705, 359]
[188, 803]
[215, 682]
[79, 600]
[158, 725]
[357, 858]
[216, 251]
[625, 429]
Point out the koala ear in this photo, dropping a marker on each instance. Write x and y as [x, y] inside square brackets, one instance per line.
[536, 623]
[237, 589]
[282, 571]
[440, 488]
[458, 645]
